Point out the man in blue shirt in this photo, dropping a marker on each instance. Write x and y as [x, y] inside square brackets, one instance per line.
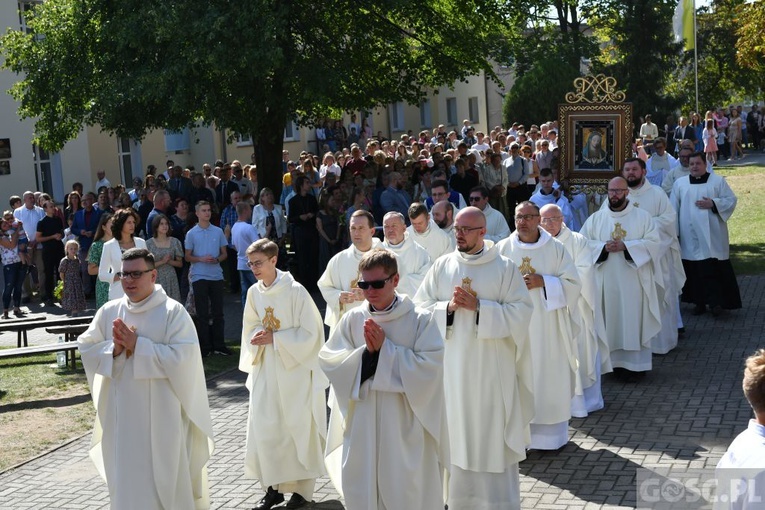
[394, 198]
[205, 250]
[84, 227]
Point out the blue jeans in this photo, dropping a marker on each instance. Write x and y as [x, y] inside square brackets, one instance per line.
[247, 280]
[13, 275]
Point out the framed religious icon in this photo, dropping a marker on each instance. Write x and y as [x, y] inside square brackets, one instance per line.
[594, 132]
[5, 167]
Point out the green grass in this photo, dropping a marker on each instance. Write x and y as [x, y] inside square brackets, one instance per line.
[747, 225]
[42, 406]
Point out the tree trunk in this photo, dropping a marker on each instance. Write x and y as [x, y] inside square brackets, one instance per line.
[268, 145]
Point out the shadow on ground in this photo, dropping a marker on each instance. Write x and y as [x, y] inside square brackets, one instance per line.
[42, 404]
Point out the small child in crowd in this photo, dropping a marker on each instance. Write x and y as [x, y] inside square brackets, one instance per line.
[73, 297]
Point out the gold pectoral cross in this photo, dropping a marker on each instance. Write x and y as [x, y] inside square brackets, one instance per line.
[466, 285]
[636, 204]
[270, 323]
[619, 233]
[526, 267]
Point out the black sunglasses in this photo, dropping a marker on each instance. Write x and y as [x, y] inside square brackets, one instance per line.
[375, 284]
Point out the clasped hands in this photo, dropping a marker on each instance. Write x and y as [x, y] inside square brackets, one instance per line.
[705, 203]
[374, 336]
[462, 299]
[125, 338]
[348, 297]
[533, 281]
[263, 337]
[614, 246]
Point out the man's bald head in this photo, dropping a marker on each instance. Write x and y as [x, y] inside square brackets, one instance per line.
[443, 214]
[617, 182]
[471, 217]
[552, 219]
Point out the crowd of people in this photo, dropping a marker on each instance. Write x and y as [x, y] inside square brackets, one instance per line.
[473, 297]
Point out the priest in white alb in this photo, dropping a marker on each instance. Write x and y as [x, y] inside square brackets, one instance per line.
[423, 231]
[338, 284]
[388, 439]
[481, 304]
[592, 347]
[669, 266]
[704, 204]
[282, 333]
[625, 242]
[443, 215]
[153, 434]
[553, 284]
[497, 228]
[660, 163]
[413, 260]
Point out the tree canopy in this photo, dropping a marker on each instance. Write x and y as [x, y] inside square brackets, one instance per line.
[248, 66]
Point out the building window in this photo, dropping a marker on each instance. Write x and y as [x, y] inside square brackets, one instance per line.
[243, 140]
[473, 109]
[425, 121]
[177, 141]
[43, 169]
[451, 111]
[291, 132]
[24, 8]
[397, 116]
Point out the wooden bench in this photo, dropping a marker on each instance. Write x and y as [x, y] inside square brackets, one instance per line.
[69, 349]
[70, 332]
[21, 327]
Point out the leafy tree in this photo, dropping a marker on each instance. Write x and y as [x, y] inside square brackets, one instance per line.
[248, 66]
[638, 50]
[751, 42]
[535, 96]
[721, 78]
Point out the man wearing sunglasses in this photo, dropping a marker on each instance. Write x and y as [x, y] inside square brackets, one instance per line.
[625, 243]
[282, 333]
[339, 283]
[481, 304]
[413, 260]
[153, 433]
[496, 224]
[553, 283]
[387, 441]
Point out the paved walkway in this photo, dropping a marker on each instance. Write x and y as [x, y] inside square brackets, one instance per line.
[682, 416]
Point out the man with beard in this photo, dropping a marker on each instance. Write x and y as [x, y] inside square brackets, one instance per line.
[426, 233]
[395, 198]
[625, 241]
[482, 307]
[669, 267]
[443, 216]
[704, 203]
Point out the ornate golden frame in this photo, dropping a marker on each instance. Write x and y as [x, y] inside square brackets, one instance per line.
[596, 101]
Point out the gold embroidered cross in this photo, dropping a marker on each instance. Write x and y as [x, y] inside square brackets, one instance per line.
[636, 204]
[619, 233]
[466, 285]
[526, 267]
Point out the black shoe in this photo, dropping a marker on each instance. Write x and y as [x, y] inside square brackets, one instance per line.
[223, 351]
[699, 310]
[717, 310]
[272, 498]
[297, 501]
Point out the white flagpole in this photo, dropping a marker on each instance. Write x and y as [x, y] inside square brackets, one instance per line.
[696, 57]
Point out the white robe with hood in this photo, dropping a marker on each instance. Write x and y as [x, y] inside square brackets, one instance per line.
[286, 423]
[153, 434]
